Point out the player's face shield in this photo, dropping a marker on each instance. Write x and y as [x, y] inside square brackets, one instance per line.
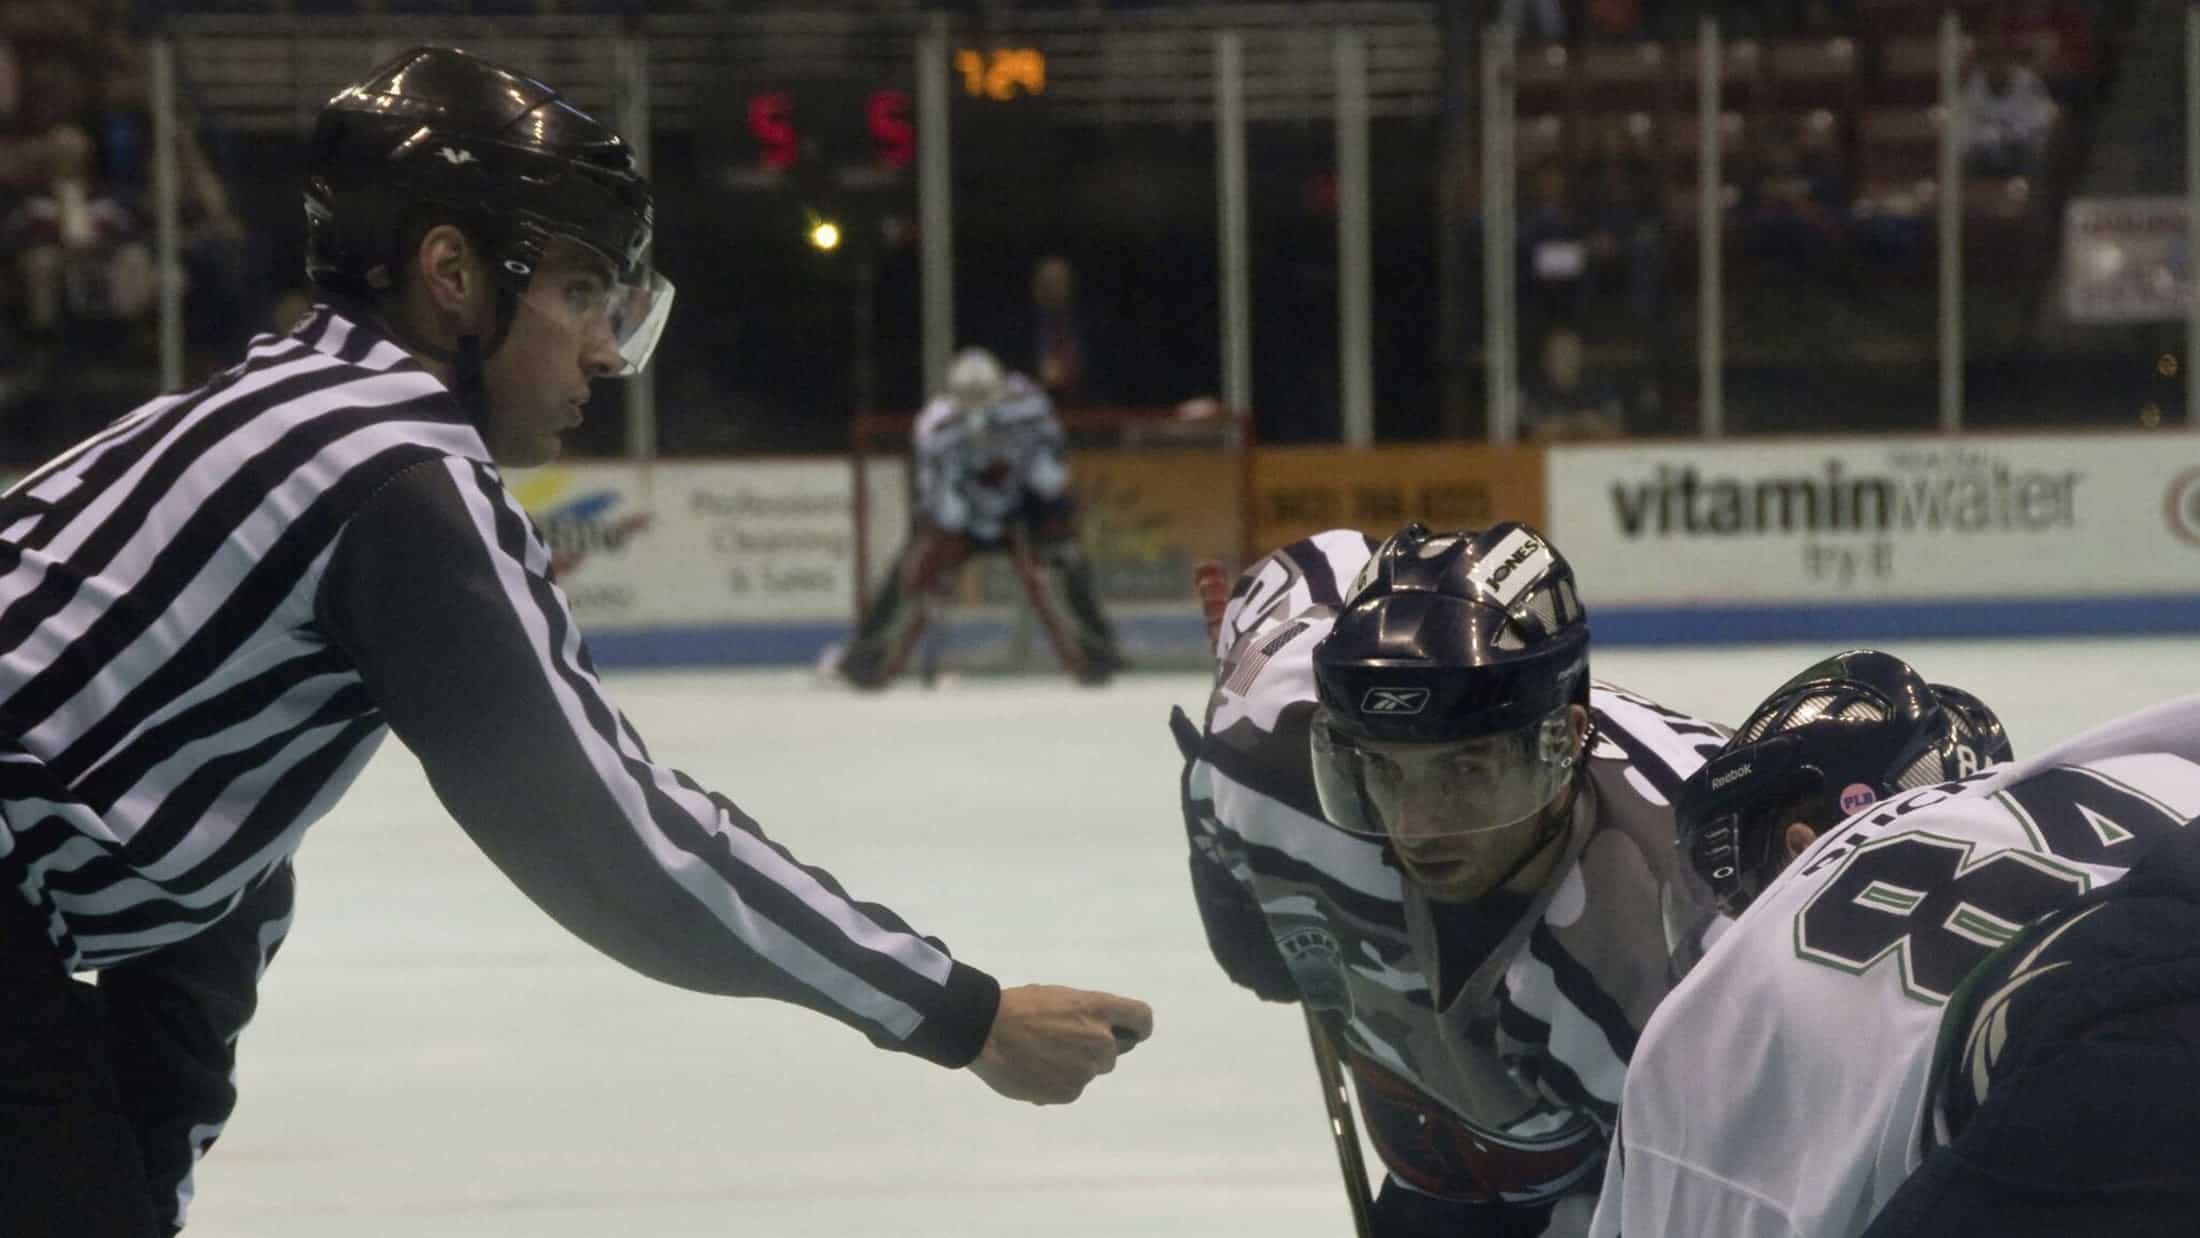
[577, 290]
[1426, 797]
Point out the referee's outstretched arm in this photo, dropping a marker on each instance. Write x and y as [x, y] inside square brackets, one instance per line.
[440, 592]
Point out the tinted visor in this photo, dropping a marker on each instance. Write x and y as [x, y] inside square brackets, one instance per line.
[1416, 792]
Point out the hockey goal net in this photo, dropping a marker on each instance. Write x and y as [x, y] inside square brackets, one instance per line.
[1158, 490]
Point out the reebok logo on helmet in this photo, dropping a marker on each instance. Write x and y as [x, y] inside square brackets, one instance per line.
[1394, 701]
[1730, 777]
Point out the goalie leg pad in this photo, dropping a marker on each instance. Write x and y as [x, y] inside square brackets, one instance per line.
[897, 617]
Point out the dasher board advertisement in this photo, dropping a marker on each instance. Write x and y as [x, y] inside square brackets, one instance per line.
[1930, 535]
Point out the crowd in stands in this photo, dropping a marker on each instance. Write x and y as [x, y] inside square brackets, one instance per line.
[78, 308]
[1829, 124]
[1829, 131]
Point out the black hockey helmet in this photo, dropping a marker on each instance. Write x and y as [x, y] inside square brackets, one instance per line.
[1444, 684]
[1846, 733]
[1455, 636]
[440, 134]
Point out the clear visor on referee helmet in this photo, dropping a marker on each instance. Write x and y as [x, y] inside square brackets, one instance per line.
[578, 289]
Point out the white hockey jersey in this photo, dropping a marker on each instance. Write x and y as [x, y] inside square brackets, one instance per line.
[1781, 1091]
[975, 467]
[1488, 1041]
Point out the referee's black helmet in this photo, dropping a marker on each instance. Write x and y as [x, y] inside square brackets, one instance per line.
[440, 135]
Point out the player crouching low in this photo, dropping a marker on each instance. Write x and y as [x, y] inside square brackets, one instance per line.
[990, 477]
[1844, 734]
[1412, 812]
[1961, 1000]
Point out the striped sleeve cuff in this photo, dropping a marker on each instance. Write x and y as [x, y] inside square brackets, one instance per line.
[956, 1027]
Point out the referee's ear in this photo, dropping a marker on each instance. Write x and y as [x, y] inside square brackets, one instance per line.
[449, 286]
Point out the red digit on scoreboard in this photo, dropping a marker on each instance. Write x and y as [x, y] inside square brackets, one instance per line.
[771, 123]
[892, 134]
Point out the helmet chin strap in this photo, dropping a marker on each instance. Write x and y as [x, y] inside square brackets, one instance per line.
[467, 375]
[469, 381]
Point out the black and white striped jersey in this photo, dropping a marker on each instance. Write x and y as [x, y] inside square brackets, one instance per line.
[1489, 1041]
[211, 612]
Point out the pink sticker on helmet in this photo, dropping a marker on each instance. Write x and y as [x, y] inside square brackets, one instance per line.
[1856, 797]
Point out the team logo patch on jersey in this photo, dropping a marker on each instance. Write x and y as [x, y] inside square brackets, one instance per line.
[1856, 797]
[1316, 963]
[1394, 702]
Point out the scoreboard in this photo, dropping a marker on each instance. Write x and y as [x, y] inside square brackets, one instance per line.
[850, 133]
[842, 134]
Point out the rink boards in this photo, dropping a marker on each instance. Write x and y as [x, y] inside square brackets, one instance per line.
[752, 561]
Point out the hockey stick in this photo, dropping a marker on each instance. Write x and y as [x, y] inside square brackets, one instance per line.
[1341, 1126]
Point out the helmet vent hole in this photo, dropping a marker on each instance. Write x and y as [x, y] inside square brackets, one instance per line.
[1923, 772]
[1541, 609]
[1839, 706]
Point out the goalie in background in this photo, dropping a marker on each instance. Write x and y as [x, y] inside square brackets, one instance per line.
[990, 476]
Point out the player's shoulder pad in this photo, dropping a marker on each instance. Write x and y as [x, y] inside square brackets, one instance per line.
[1021, 400]
[1662, 746]
[933, 418]
[1257, 715]
[1316, 571]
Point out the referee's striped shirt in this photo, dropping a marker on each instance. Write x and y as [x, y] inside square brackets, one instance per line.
[210, 613]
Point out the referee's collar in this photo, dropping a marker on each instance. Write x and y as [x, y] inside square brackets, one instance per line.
[351, 337]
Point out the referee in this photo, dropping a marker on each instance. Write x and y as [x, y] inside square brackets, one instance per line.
[212, 610]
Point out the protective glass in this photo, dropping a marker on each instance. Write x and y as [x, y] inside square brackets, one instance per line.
[1414, 793]
[574, 287]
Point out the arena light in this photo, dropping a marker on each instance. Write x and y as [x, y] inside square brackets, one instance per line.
[824, 235]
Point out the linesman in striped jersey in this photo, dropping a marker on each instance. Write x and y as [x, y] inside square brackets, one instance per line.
[1412, 811]
[212, 611]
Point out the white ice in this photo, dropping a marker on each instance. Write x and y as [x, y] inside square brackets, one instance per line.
[434, 1058]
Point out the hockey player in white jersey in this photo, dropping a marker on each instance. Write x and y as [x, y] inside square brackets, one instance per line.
[1936, 967]
[989, 476]
[1411, 811]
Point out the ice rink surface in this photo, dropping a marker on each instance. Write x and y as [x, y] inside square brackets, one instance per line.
[434, 1058]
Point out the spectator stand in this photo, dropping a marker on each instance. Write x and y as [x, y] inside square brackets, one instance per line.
[79, 225]
[1831, 121]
